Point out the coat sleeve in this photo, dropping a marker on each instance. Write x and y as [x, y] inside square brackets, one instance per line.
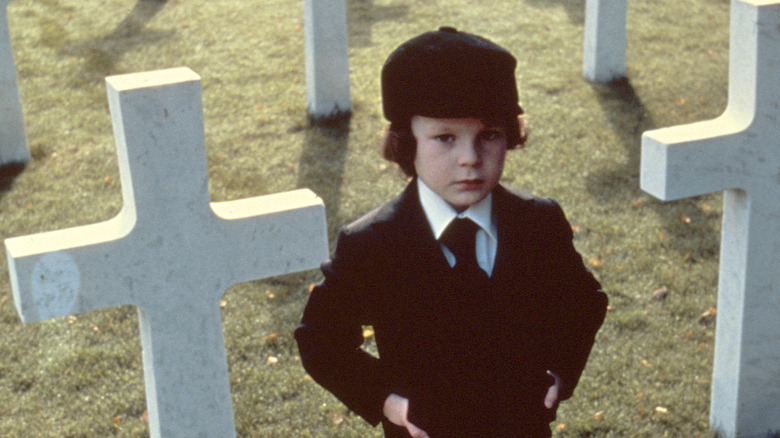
[330, 334]
[580, 306]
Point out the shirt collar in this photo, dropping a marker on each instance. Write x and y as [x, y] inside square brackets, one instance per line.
[440, 213]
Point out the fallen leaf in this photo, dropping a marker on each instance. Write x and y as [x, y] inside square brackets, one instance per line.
[661, 410]
[311, 287]
[368, 333]
[595, 262]
[222, 304]
[661, 293]
[116, 421]
[269, 294]
[145, 416]
[645, 362]
[681, 101]
[72, 319]
[273, 360]
[338, 419]
[599, 415]
[685, 219]
[710, 313]
[560, 427]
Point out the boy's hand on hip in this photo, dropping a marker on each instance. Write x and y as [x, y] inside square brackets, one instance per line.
[552, 394]
[396, 409]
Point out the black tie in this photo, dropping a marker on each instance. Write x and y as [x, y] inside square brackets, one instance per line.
[460, 238]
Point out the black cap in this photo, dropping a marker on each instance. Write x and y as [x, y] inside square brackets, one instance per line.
[449, 74]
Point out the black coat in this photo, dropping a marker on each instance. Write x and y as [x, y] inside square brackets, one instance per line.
[473, 367]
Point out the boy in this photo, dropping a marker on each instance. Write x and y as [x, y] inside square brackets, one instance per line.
[483, 312]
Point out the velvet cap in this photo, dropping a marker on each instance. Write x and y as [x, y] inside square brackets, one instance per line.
[449, 74]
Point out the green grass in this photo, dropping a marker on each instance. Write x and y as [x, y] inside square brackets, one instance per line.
[81, 376]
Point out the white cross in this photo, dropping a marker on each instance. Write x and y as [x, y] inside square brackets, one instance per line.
[13, 139]
[170, 252]
[327, 58]
[738, 152]
[604, 54]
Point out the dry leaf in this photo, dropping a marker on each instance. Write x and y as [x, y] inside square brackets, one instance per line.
[222, 304]
[595, 262]
[661, 410]
[661, 293]
[116, 421]
[145, 416]
[685, 219]
[710, 313]
[368, 333]
[273, 360]
[560, 427]
[311, 287]
[338, 419]
[599, 415]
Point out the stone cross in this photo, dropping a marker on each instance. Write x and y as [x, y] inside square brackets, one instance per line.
[170, 252]
[327, 58]
[13, 140]
[738, 152]
[604, 55]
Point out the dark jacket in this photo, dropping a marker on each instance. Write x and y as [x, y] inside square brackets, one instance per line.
[470, 367]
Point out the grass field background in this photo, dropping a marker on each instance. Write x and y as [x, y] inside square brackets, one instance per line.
[650, 370]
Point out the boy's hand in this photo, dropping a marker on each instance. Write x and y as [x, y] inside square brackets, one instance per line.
[395, 409]
[552, 393]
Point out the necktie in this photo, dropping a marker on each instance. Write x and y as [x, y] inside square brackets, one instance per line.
[460, 238]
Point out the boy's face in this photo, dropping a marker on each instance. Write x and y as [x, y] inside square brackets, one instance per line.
[461, 160]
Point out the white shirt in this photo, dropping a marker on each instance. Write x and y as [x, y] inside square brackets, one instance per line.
[440, 214]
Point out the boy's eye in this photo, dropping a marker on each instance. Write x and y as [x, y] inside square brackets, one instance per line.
[492, 135]
[445, 138]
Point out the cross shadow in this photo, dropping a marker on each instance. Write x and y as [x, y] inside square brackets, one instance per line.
[321, 166]
[574, 8]
[629, 119]
[361, 16]
[101, 54]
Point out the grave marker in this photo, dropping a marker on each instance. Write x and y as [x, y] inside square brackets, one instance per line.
[604, 54]
[170, 252]
[738, 152]
[13, 139]
[327, 58]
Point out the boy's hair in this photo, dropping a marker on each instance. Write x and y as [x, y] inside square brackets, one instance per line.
[447, 74]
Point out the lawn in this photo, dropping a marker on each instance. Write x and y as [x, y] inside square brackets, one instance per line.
[650, 370]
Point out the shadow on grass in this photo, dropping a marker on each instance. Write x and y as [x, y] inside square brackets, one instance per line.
[362, 14]
[692, 230]
[321, 166]
[101, 54]
[629, 119]
[574, 8]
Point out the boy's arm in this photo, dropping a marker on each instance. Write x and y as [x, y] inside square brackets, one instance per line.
[581, 311]
[330, 336]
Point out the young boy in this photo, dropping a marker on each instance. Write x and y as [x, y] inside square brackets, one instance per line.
[483, 312]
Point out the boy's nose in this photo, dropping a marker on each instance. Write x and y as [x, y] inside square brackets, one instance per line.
[469, 154]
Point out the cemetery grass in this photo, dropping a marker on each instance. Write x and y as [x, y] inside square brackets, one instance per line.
[650, 370]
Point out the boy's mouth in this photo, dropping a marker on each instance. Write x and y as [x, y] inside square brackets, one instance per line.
[470, 184]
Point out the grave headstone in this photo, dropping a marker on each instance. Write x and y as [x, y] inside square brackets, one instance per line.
[13, 139]
[738, 152]
[170, 252]
[327, 59]
[604, 54]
